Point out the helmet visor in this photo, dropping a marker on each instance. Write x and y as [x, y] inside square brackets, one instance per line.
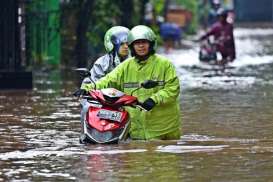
[119, 38]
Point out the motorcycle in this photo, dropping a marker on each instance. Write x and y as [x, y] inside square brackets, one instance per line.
[104, 119]
[208, 52]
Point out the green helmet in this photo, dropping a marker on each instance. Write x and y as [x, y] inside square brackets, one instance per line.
[141, 32]
[114, 37]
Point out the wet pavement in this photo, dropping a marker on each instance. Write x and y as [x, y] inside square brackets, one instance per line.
[227, 121]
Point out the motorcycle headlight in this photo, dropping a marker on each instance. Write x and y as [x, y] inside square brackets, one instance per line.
[103, 137]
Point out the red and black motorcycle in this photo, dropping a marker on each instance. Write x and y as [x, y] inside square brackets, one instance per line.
[103, 116]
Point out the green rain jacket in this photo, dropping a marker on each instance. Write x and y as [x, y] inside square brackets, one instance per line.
[164, 118]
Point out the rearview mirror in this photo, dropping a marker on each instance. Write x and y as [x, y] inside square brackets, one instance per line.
[83, 72]
[149, 84]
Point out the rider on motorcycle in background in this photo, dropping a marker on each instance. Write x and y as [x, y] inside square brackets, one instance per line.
[222, 31]
[116, 45]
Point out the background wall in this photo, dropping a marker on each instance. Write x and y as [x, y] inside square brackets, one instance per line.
[253, 10]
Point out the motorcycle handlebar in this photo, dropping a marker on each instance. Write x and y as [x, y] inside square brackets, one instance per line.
[139, 105]
[83, 95]
[141, 108]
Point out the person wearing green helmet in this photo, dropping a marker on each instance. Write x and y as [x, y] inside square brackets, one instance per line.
[116, 46]
[162, 118]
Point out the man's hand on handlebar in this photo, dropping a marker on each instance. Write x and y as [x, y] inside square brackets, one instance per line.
[147, 105]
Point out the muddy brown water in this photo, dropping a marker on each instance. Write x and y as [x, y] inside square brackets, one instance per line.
[227, 132]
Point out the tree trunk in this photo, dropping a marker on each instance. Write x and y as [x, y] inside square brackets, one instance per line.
[142, 10]
[84, 16]
[166, 8]
[127, 10]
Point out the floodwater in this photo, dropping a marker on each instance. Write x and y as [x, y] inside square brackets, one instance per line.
[227, 126]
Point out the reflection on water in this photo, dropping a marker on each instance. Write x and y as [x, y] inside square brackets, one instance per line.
[227, 126]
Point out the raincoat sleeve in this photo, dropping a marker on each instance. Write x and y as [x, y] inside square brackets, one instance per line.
[100, 68]
[112, 79]
[212, 31]
[171, 89]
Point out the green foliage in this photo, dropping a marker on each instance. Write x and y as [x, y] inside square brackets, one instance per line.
[107, 14]
[100, 23]
[158, 6]
[191, 5]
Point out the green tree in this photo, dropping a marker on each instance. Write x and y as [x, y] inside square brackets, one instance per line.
[90, 20]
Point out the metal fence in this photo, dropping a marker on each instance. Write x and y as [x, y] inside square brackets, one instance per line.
[43, 32]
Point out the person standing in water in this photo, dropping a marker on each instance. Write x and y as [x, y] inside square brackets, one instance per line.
[162, 118]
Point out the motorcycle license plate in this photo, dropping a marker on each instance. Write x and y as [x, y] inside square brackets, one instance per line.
[111, 115]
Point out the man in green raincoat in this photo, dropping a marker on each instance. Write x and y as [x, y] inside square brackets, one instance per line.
[162, 118]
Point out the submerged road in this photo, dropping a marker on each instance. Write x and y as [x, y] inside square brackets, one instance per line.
[227, 126]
